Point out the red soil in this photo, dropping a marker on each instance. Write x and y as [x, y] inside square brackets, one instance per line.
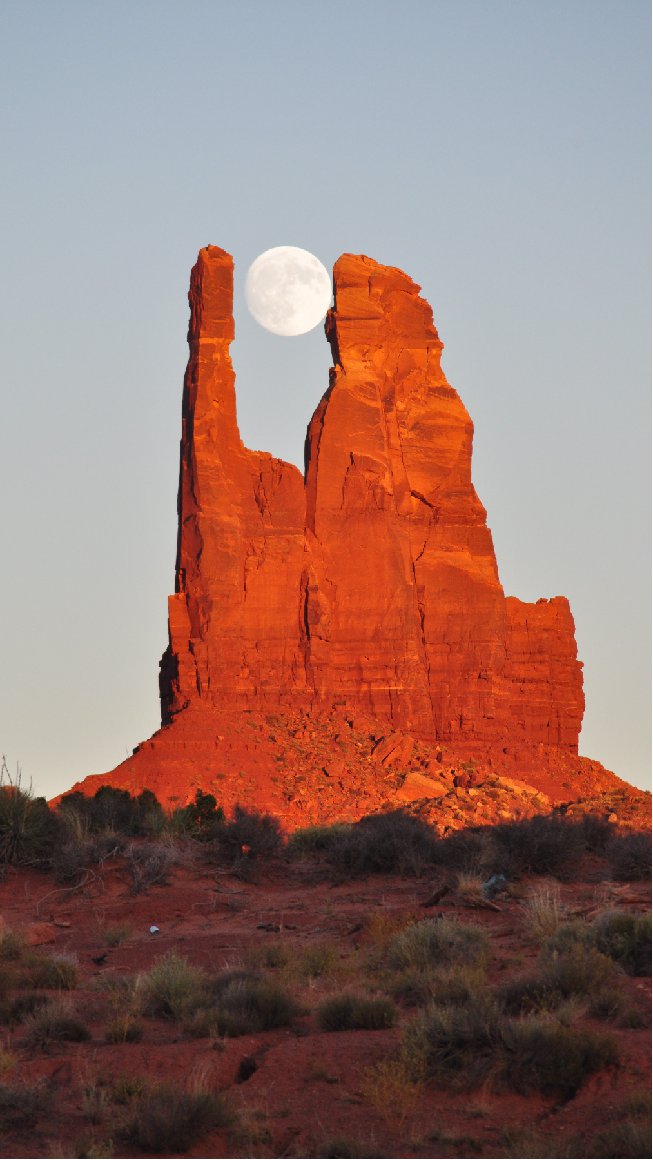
[308, 1086]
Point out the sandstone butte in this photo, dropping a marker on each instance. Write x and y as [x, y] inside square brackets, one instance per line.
[340, 642]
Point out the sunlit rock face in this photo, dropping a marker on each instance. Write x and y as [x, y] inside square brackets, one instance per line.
[371, 585]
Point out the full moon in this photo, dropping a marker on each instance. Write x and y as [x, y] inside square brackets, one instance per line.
[288, 290]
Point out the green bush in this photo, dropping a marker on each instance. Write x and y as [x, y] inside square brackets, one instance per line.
[438, 942]
[203, 819]
[316, 839]
[249, 836]
[545, 844]
[350, 1012]
[171, 1121]
[629, 856]
[392, 843]
[115, 810]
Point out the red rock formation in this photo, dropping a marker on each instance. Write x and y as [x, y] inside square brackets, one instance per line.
[373, 587]
[379, 591]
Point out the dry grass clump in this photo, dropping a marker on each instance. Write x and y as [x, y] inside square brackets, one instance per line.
[52, 972]
[55, 1022]
[391, 1088]
[432, 943]
[544, 912]
[149, 864]
[173, 989]
[350, 1012]
[455, 985]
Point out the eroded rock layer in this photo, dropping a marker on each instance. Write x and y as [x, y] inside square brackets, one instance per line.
[375, 584]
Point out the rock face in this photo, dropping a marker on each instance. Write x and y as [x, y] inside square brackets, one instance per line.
[374, 585]
[341, 642]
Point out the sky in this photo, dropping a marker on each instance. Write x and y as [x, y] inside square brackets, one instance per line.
[496, 150]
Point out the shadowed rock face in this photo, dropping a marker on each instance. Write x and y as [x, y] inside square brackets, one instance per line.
[373, 584]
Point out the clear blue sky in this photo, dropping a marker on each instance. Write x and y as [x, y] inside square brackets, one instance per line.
[497, 150]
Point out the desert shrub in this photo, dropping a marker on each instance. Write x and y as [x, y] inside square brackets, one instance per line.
[166, 1120]
[249, 1004]
[392, 843]
[203, 819]
[248, 836]
[52, 972]
[76, 854]
[542, 1055]
[455, 1045]
[172, 988]
[123, 1089]
[12, 944]
[629, 856]
[545, 844]
[577, 973]
[57, 1022]
[612, 1004]
[114, 810]
[462, 1046]
[29, 830]
[316, 960]
[468, 851]
[270, 955]
[21, 1106]
[624, 1139]
[348, 1012]
[444, 985]
[315, 839]
[438, 942]
[626, 938]
[16, 1010]
[596, 832]
[149, 864]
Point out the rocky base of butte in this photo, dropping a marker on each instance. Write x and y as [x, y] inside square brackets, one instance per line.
[340, 642]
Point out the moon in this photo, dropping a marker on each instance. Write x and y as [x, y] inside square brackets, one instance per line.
[288, 290]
